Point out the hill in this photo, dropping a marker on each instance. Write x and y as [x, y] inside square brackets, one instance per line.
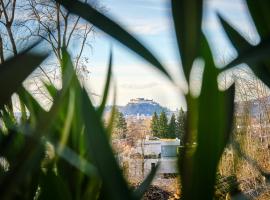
[141, 106]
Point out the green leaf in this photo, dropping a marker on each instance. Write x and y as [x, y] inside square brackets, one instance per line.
[26, 162]
[102, 153]
[252, 56]
[237, 40]
[107, 86]
[51, 89]
[53, 187]
[15, 70]
[143, 187]
[35, 109]
[111, 121]
[187, 17]
[75, 160]
[113, 29]
[68, 75]
[259, 11]
[213, 130]
[30, 156]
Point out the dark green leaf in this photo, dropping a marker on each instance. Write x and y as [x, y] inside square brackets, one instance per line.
[102, 153]
[53, 187]
[35, 109]
[111, 122]
[259, 11]
[51, 89]
[75, 160]
[248, 54]
[237, 40]
[15, 70]
[252, 55]
[26, 162]
[113, 29]
[187, 16]
[107, 86]
[213, 130]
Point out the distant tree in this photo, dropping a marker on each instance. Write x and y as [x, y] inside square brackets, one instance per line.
[172, 127]
[154, 125]
[163, 125]
[180, 124]
[120, 125]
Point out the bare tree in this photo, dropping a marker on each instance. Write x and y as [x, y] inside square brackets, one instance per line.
[46, 19]
[58, 27]
[8, 8]
[7, 16]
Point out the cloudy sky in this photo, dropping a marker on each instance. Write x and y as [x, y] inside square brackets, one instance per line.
[150, 21]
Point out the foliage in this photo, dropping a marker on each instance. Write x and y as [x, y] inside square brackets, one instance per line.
[154, 125]
[81, 163]
[120, 124]
[172, 127]
[163, 131]
[161, 128]
[180, 124]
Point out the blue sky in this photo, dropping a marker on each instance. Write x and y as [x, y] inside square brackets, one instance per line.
[150, 21]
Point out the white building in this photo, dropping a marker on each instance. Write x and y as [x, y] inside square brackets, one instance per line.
[162, 151]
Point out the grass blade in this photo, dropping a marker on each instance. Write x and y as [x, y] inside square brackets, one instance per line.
[107, 86]
[187, 17]
[244, 49]
[213, 130]
[252, 55]
[102, 154]
[259, 11]
[53, 187]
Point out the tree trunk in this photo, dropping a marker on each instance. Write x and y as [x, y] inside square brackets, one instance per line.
[1, 51]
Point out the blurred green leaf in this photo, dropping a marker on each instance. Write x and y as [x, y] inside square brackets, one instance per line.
[15, 70]
[53, 187]
[113, 29]
[213, 130]
[111, 121]
[252, 55]
[107, 86]
[26, 162]
[248, 54]
[51, 89]
[102, 153]
[34, 108]
[259, 11]
[75, 160]
[187, 17]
